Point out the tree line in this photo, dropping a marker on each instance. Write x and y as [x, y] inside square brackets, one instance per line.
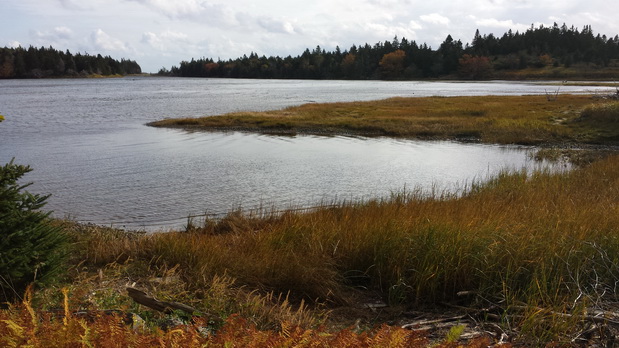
[404, 59]
[49, 62]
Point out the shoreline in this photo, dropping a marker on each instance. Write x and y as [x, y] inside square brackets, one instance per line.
[514, 222]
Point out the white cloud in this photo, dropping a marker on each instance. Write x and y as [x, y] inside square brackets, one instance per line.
[55, 35]
[176, 8]
[195, 10]
[382, 32]
[505, 24]
[63, 32]
[103, 41]
[276, 26]
[289, 28]
[435, 18]
[412, 25]
[72, 5]
[152, 39]
[235, 49]
[14, 44]
[164, 40]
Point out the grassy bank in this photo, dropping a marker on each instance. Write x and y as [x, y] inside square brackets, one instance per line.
[533, 253]
[490, 119]
[505, 235]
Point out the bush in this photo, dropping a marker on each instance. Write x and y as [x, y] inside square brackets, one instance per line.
[32, 250]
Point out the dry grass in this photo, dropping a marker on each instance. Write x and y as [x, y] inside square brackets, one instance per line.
[603, 113]
[532, 240]
[492, 119]
[431, 247]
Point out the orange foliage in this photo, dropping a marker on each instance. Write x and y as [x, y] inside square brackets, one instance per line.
[19, 328]
[474, 67]
[209, 67]
[392, 64]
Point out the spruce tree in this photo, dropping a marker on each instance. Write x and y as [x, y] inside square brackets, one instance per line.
[32, 250]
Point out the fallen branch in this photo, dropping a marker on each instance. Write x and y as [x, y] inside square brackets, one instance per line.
[163, 306]
[433, 323]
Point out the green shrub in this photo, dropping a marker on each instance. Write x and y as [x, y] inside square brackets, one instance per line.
[32, 250]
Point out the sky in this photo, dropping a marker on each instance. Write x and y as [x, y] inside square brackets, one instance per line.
[162, 33]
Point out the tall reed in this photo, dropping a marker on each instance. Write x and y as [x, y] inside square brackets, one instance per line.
[545, 236]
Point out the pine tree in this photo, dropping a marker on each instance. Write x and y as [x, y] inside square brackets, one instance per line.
[31, 249]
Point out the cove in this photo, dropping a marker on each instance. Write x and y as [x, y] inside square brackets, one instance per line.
[89, 147]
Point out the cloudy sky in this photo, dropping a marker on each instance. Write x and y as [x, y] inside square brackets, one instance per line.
[161, 33]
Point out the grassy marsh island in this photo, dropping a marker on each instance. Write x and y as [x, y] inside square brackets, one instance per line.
[529, 120]
[524, 259]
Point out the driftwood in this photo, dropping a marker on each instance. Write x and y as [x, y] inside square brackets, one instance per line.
[425, 324]
[162, 306]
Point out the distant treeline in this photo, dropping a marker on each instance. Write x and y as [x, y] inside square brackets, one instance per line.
[557, 46]
[49, 62]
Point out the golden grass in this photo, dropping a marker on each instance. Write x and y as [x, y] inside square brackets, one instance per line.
[602, 113]
[527, 239]
[503, 239]
[535, 244]
[491, 119]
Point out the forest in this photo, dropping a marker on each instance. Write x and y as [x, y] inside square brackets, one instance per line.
[49, 62]
[487, 56]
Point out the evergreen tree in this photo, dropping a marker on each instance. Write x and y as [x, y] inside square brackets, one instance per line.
[32, 250]
[511, 51]
[47, 62]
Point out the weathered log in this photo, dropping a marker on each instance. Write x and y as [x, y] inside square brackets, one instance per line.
[434, 323]
[142, 298]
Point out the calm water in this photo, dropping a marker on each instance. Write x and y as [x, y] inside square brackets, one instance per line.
[89, 148]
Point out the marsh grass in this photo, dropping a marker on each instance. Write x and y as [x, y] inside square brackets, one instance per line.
[533, 239]
[492, 119]
[607, 112]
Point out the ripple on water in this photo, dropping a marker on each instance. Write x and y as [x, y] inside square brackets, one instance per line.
[89, 148]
